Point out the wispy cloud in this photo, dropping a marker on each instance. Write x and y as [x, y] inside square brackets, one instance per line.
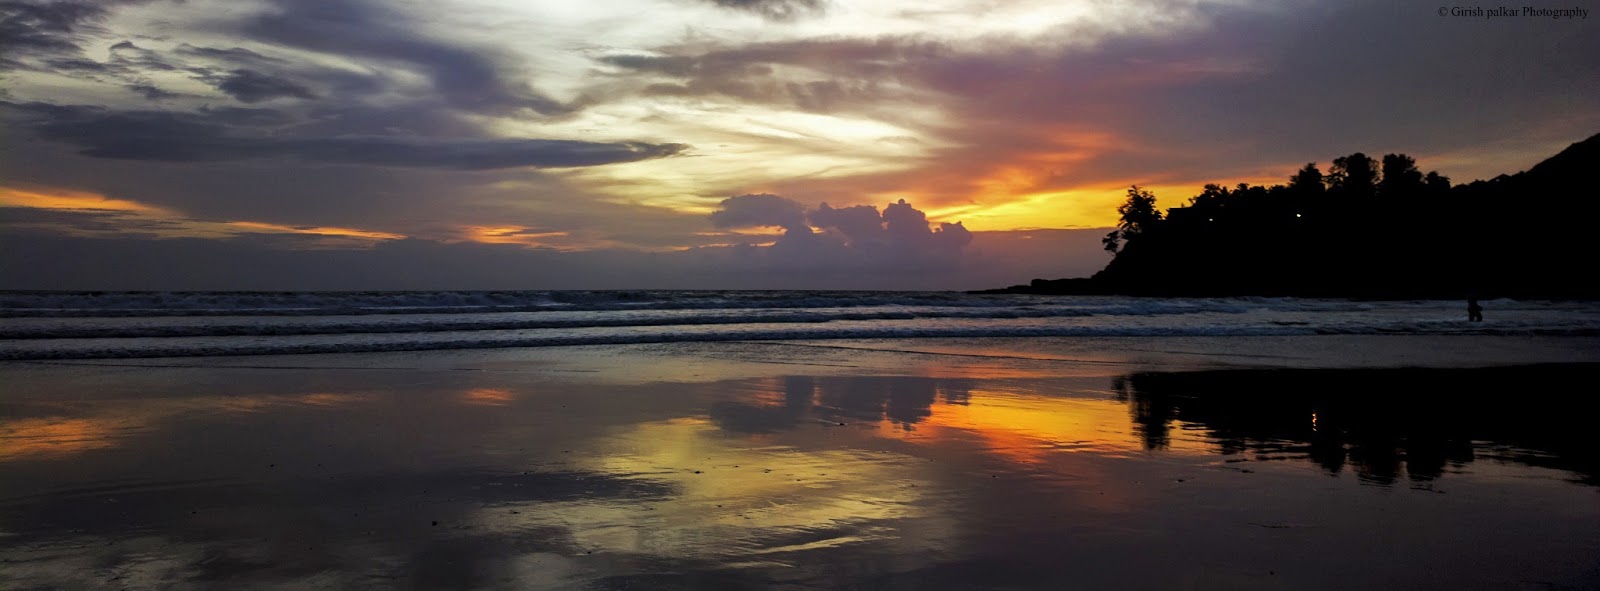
[483, 124]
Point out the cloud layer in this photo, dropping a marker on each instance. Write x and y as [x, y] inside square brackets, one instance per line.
[231, 135]
[854, 239]
[466, 124]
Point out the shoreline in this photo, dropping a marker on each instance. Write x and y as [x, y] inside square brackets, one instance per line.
[1088, 286]
[932, 464]
[1077, 353]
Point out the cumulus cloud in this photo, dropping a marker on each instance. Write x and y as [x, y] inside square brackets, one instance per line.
[750, 211]
[860, 224]
[300, 261]
[853, 239]
[1012, 130]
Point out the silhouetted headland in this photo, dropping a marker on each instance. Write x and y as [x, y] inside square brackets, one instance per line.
[1369, 228]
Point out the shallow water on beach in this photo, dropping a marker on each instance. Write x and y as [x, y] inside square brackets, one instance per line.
[1003, 472]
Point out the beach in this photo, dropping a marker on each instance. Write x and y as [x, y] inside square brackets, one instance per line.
[1124, 462]
[804, 295]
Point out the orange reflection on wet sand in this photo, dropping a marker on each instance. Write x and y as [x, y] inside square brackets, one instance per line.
[979, 360]
[1030, 428]
[55, 437]
[265, 403]
[50, 437]
[488, 396]
[745, 496]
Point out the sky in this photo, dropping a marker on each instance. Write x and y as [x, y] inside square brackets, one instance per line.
[713, 144]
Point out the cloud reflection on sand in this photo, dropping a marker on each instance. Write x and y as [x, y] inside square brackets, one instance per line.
[742, 496]
[489, 396]
[51, 437]
[499, 479]
[104, 428]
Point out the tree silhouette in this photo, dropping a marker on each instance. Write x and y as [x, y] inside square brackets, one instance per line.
[1138, 216]
[1354, 175]
[1308, 180]
[1139, 213]
[1111, 241]
[1329, 235]
[1400, 176]
[1437, 184]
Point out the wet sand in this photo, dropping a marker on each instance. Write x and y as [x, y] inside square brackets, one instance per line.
[1149, 465]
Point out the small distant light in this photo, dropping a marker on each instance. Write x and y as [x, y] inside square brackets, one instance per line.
[1297, 215]
[1211, 219]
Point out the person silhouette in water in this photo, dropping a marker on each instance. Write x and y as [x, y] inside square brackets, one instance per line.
[1474, 311]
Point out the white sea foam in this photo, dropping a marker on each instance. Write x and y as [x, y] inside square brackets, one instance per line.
[93, 325]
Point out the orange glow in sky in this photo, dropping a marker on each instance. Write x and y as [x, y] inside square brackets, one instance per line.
[73, 200]
[509, 235]
[318, 230]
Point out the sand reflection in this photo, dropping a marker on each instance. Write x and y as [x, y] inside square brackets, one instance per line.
[1385, 425]
[70, 429]
[745, 497]
[52, 437]
[488, 396]
[1012, 416]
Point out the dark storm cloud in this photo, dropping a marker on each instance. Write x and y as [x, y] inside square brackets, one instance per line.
[33, 32]
[151, 92]
[51, 221]
[245, 116]
[133, 57]
[232, 55]
[250, 86]
[250, 76]
[776, 10]
[206, 137]
[49, 37]
[78, 64]
[46, 26]
[466, 78]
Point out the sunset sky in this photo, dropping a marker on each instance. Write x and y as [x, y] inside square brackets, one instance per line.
[487, 144]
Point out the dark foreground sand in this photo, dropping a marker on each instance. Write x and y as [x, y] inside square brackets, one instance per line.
[1135, 464]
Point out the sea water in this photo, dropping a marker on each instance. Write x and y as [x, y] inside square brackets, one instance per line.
[86, 325]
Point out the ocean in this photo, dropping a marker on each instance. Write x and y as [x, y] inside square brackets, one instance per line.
[797, 440]
[91, 325]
